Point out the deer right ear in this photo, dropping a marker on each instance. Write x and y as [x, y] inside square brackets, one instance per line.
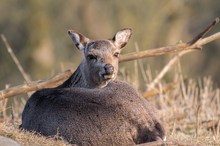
[122, 37]
[78, 39]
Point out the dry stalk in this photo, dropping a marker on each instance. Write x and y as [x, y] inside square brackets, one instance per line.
[4, 106]
[164, 89]
[197, 121]
[136, 75]
[182, 85]
[196, 42]
[140, 63]
[15, 59]
[217, 129]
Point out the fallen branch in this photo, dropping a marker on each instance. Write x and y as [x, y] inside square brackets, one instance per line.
[36, 85]
[196, 42]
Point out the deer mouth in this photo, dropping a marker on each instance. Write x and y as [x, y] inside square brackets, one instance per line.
[108, 76]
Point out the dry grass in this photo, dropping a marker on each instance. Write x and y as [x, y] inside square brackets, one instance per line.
[189, 139]
[190, 114]
[26, 138]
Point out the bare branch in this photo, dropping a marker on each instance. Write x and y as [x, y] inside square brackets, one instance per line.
[169, 49]
[195, 43]
[152, 52]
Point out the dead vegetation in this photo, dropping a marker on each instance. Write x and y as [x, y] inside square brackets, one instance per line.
[189, 108]
[26, 138]
[190, 113]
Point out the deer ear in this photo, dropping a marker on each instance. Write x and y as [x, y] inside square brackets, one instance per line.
[122, 37]
[78, 39]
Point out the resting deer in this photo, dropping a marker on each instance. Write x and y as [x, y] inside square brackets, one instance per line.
[91, 107]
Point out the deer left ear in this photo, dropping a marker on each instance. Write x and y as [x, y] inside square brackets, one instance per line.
[122, 37]
[78, 39]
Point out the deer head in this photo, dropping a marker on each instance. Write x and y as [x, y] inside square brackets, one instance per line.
[100, 57]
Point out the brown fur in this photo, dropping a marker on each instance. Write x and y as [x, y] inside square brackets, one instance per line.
[90, 109]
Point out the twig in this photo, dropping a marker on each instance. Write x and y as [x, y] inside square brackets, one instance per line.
[10, 51]
[202, 34]
[52, 82]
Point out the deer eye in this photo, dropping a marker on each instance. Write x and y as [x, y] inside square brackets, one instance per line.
[91, 57]
[116, 54]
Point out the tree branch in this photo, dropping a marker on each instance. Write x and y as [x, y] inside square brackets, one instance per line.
[196, 42]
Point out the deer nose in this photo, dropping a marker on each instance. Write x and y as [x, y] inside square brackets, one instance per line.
[109, 69]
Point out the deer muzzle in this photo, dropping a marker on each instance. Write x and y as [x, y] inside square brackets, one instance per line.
[109, 71]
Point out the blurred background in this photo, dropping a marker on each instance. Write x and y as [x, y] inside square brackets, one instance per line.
[37, 32]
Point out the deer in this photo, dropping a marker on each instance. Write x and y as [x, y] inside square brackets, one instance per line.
[92, 107]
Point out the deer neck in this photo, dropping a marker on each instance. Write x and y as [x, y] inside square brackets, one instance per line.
[78, 79]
